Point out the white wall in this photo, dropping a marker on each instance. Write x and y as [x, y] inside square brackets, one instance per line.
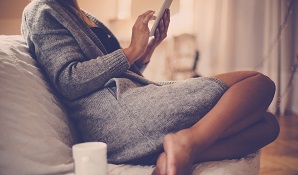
[10, 16]
[104, 10]
[11, 13]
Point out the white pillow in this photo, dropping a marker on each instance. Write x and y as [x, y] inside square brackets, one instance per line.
[34, 133]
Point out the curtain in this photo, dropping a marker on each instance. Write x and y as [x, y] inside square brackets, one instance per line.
[243, 35]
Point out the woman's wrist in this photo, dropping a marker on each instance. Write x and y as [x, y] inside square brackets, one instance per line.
[145, 58]
[143, 61]
[131, 54]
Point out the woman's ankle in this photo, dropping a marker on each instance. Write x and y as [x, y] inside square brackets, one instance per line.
[186, 141]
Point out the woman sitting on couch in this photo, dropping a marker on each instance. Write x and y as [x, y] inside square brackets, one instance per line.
[173, 125]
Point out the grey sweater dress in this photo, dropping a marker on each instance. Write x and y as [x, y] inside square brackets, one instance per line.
[109, 100]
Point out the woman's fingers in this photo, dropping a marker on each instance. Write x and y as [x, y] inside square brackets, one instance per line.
[143, 20]
[147, 16]
[163, 26]
[167, 18]
[153, 18]
[147, 13]
[140, 37]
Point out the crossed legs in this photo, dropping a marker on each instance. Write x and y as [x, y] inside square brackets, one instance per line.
[237, 125]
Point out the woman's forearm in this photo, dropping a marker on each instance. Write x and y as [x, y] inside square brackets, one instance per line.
[146, 57]
[131, 54]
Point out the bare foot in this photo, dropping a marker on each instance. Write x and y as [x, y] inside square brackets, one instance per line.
[161, 165]
[178, 153]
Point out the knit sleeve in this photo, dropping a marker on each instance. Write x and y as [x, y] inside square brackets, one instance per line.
[59, 54]
[141, 67]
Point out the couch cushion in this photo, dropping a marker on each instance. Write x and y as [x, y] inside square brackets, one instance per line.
[34, 132]
[248, 165]
[34, 129]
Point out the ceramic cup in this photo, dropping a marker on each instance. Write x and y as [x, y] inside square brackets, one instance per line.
[90, 158]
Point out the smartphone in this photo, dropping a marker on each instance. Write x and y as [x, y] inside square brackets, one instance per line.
[166, 4]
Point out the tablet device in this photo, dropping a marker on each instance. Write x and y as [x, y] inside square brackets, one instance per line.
[166, 4]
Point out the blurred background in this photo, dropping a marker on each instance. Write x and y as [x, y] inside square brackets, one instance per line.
[206, 37]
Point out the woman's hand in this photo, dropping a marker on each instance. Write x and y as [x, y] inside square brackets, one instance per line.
[159, 35]
[161, 31]
[140, 37]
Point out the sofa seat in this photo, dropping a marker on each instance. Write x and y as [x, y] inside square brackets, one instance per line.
[36, 134]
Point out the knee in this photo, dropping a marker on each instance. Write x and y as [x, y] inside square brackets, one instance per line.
[267, 85]
[273, 127]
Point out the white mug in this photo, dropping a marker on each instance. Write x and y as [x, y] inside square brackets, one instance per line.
[90, 158]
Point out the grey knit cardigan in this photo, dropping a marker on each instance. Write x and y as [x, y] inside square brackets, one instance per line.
[88, 79]
[110, 100]
[72, 56]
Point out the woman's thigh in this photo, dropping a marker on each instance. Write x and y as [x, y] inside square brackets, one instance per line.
[232, 78]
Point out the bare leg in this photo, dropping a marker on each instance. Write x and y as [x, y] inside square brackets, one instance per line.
[244, 104]
[161, 165]
[238, 145]
[245, 142]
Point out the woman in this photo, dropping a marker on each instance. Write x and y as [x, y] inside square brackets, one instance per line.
[171, 124]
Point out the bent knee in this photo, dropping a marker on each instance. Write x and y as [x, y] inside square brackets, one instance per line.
[261, 83]
[233, 78]
[268, 86]
[273, 127]
[258, 81]
[262, 80]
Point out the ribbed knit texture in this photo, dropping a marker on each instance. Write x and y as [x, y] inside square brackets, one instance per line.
[109, 100]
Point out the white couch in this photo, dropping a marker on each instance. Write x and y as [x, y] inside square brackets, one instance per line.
[36, 135]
